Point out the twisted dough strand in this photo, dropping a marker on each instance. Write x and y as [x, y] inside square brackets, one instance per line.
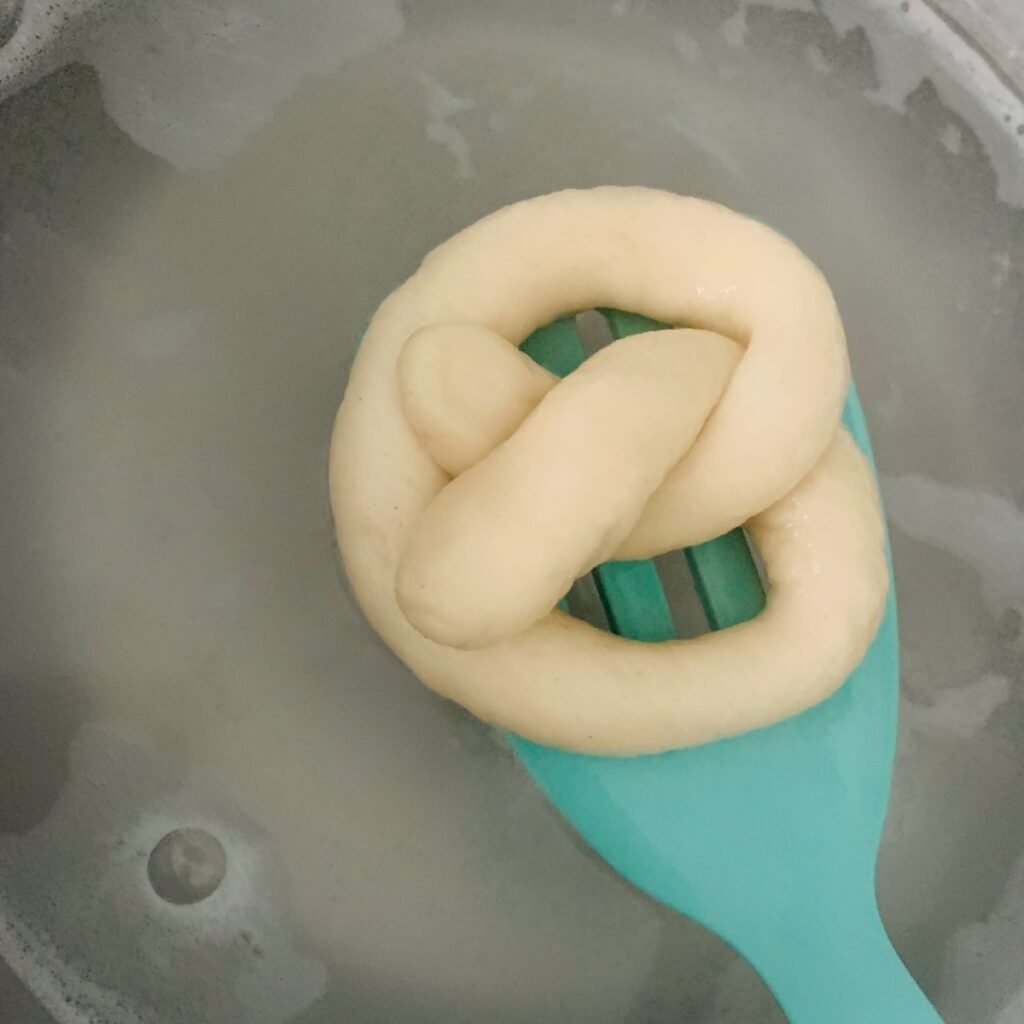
[659, 441]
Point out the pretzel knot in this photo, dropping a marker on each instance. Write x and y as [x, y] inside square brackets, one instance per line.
[470, 487]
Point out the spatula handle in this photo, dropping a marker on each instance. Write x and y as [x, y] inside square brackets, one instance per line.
[850, 977]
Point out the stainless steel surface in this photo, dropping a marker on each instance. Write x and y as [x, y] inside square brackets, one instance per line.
[193, 227]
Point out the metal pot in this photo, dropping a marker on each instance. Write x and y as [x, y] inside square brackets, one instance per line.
[221, 799]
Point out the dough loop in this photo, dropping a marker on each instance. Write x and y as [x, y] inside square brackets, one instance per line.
[470, 487]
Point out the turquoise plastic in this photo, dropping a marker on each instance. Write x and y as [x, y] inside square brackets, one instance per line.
[769, 839]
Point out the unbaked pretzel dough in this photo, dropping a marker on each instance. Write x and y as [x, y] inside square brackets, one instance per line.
[470, 487]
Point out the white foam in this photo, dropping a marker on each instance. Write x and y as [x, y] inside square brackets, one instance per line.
[916, 44]
[686, 46]
[240, 904]
[45, 37]
[689, 123]
[442, 107]
[190, 82]
[60, 989]
[984, 530]
[952, 139]
[1003, 262]
[960, 712]
[815, 56]
[801, 6]
[983, 958]
[270, 985]
[734, 28]
[912, 43]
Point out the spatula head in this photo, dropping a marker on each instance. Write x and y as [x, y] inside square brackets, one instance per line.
[733, 833]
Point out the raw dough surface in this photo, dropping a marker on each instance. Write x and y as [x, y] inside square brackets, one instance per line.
[470, 487]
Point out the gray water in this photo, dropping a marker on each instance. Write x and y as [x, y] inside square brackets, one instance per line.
[194, 226]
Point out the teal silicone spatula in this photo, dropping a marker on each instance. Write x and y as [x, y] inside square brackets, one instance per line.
[768, 839]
